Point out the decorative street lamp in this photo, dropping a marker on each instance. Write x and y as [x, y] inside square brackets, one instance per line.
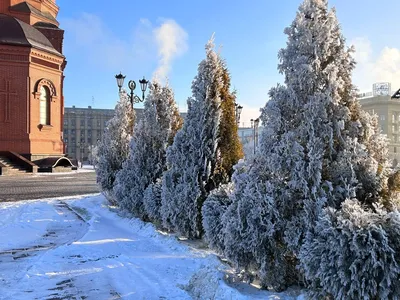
[238, 111]
[132, 85]
[254, 124]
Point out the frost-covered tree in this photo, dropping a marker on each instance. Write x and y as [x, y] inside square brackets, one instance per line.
[193, 155]
[229, 149]
[93, 157]
[317, 149]
[147, 158]
[113, 148]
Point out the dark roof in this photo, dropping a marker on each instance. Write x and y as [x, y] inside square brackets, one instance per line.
[18, 33]
[27, 8]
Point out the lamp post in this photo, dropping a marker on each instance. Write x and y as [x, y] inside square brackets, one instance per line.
[132, 85]
[254, 124]
[238, 111]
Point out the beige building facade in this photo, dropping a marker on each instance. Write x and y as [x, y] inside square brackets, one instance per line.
[386, 105]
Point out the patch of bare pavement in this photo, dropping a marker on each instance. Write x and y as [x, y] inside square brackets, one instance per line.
[43, 186]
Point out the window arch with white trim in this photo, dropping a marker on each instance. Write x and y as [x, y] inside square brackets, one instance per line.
[45, 92]
[44, 99]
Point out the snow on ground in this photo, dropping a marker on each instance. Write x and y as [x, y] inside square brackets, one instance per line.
[80, 249]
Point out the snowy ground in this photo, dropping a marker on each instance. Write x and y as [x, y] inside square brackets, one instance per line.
[80, 249]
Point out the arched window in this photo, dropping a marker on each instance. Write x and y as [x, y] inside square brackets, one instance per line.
[44, 105]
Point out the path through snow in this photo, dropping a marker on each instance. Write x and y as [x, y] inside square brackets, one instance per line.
[99, 255]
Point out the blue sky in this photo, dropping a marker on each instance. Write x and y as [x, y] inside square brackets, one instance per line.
[141, 38]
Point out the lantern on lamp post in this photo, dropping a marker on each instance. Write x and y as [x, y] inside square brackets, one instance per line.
[132, 86]
[238, 111]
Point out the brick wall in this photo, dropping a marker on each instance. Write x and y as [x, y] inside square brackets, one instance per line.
[14, 70]
[20, 128]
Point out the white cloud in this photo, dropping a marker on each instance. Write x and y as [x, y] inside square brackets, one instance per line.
[171, 41]
[141, 46]
[91, 37]
[385, 67]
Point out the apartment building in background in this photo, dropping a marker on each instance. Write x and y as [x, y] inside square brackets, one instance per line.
[386, 105]
[83, 127]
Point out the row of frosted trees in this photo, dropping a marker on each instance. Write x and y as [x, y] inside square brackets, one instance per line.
[316, 206]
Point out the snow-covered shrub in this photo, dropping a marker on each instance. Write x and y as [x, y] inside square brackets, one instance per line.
[152, 201]
[354, 254]
[212, 211]
[113, 149]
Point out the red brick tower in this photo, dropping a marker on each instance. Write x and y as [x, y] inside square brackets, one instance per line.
[31, 79]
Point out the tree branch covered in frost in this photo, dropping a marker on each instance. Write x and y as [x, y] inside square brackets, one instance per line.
[212, 211]
[353, 253]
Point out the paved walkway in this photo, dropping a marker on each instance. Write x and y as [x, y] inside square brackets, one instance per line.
[41, 185]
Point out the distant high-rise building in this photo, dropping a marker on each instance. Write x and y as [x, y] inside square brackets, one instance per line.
[83, 127]
[386, 105]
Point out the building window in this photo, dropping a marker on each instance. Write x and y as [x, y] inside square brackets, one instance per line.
[393, 117]
[394, 138]
[382, 118]
[44, 105]
[65, 122]
[393, 128]
[394, 149]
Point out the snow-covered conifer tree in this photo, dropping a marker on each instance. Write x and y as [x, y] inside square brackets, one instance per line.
[317, 149]
[147, 161]
[229, 148]
[229, 151]
[192, 157]
[113, 149]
